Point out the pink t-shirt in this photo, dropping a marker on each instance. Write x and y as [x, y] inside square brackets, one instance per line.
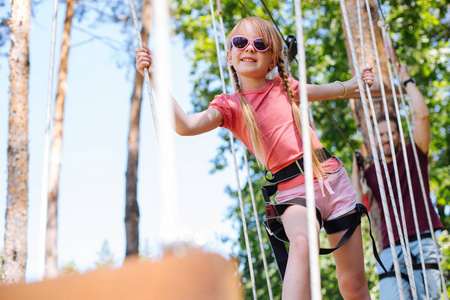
[283, 144]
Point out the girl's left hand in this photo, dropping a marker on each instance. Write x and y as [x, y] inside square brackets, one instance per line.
[367, 75]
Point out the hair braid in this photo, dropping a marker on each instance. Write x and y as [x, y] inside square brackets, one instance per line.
[317, 167]
[250, 120]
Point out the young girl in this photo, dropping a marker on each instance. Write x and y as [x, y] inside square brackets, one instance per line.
[264, 115]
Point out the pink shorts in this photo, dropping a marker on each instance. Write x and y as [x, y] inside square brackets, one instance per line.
[334, 194]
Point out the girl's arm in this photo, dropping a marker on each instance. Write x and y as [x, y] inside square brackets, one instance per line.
[330, 91]
[185, 124]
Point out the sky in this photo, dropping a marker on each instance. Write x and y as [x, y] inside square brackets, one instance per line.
[92, 182]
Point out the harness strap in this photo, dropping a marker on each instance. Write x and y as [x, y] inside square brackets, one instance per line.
[277, 235]
[274, 226]
[275, 229]
[350, 222]
[413, 238]
[296, 168]
[428, 266]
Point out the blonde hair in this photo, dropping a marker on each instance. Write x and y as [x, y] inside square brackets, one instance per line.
[265, 30]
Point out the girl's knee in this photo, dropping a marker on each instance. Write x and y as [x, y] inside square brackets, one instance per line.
[353, 286]
[299, 245]
[299, 239]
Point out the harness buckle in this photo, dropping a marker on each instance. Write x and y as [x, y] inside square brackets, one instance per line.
[299, 167]
[268, 230]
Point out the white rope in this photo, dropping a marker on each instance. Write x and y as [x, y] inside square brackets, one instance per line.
[400, 130]
[408, 173]
[405, 248]
[313, 239]
[45, 164]
[146, 75]
[258, 228]
[424, 196]
[373, 146]
[167, 164]
[236, 169]
[249, 180]
[419, 170]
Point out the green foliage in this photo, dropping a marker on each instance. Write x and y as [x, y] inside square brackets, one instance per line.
[420, 32]
[444, 242]
[69, 269]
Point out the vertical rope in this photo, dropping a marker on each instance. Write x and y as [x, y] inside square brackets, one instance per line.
[430, 225]
[45, 164]
[146, 75]
[167, 166]
[313, 241]
[400, 129]
[419, 240]
[236, 169]
[258, 228]
[373, 146]
[403, 235]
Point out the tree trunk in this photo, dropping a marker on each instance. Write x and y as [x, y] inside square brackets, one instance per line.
[51, 265]
[356, 104]
[131, 206]
[15, 249]
[370, 61]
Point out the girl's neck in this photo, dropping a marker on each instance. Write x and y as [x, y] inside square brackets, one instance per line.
[249, 84]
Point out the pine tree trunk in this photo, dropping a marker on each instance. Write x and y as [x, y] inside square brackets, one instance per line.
[131, 207]
[51, 264]
[15, 248]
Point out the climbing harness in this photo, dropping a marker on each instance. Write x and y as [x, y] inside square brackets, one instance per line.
[274, 225]
[416, 261]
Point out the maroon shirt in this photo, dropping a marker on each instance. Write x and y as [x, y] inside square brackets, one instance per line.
[372, 182]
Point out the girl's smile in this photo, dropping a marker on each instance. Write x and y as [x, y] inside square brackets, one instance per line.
[251, 64]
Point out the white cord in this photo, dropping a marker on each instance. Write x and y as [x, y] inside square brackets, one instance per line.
[373, 146]
[45, 164]
[313, 239]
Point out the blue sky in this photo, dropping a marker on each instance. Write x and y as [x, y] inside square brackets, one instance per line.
[92, 182]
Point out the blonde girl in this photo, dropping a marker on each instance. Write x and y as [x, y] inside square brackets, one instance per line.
[264, 115]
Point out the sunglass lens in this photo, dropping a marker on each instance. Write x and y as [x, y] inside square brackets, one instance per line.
[259, 44]
[240, 42]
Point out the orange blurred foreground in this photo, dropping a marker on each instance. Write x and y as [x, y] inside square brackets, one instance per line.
[195, 276]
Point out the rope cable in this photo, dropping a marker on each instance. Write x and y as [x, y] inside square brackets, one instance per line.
[337, 125]
[394, 161]
[277, 27]
[258, 228]
[166, 146]
[243, 6]
[236, 169]
[372, 143]
[46, 163]
[419, 170]
[146, 75]
[307, 154]
[408, 173]
[402, 234]
[273, 20]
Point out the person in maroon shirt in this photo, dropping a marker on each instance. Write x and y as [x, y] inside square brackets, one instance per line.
[422, 136]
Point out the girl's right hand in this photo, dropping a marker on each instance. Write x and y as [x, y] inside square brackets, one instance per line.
[143, 59]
